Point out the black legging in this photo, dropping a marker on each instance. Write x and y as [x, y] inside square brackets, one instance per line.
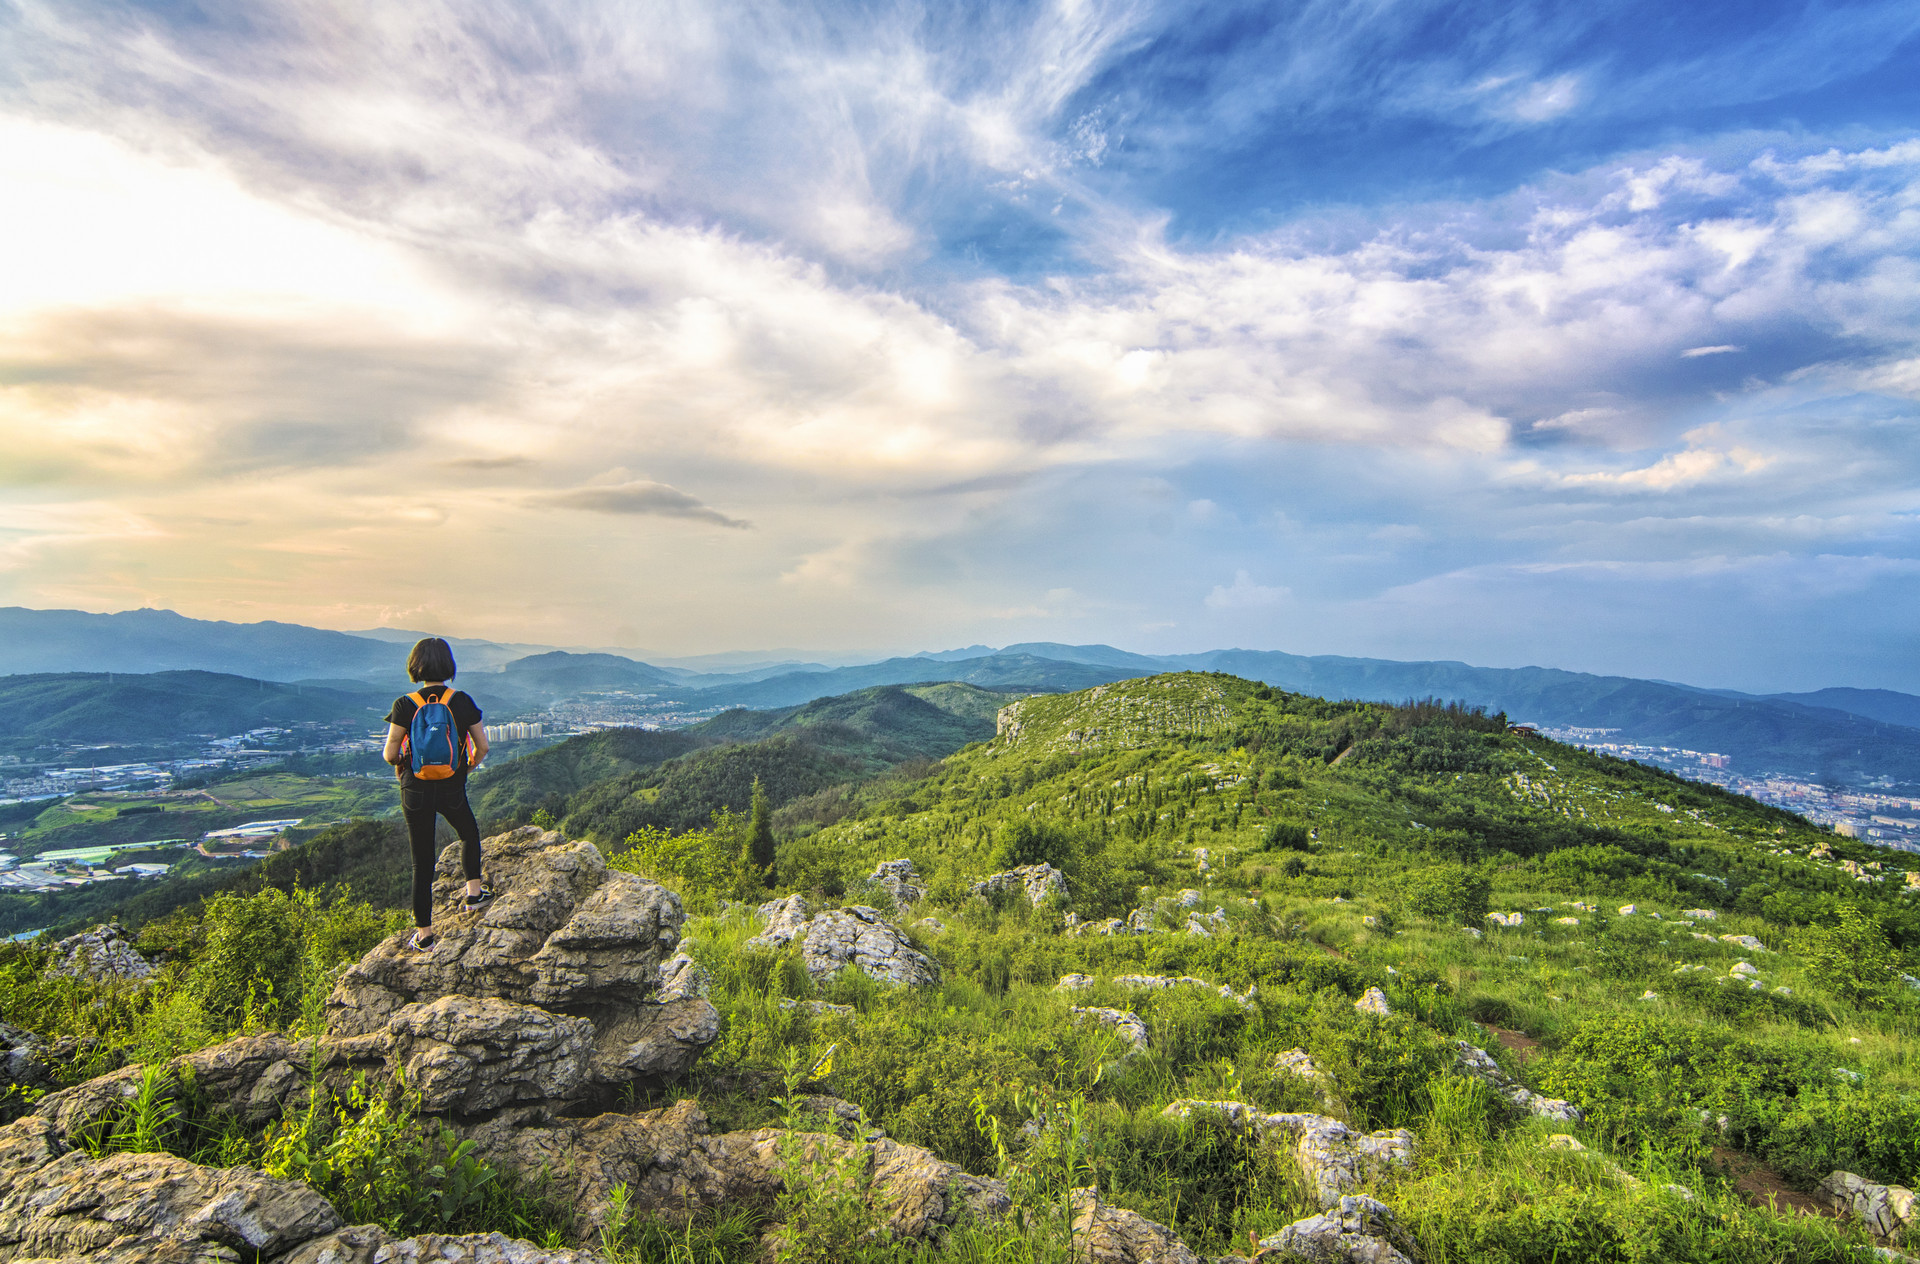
[421, 803]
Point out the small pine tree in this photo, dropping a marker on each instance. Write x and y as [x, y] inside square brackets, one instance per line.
[760, 833]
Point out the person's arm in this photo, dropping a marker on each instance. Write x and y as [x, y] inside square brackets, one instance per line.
[395, 735]
[478, 735]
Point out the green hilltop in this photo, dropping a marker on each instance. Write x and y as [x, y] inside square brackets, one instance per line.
[1716, 998]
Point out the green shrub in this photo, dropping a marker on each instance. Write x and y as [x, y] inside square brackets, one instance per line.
[1450, 893]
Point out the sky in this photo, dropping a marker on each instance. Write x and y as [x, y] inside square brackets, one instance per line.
[1579, 335]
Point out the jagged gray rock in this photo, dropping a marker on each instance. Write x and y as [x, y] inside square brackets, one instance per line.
[856, 936]
[370, 1244]
[674, 1165]
[1124, 1023]
[784, 919]
[105, 952]
[1356, 1230]
[1036, 882]
[681, 977]
[565, 935]
[1886, 1210]
[1373, 1001]
[24, 1064]
[135, 1207]
[1105, 1234]
[1332, 1157]
[469, 1054]
[1478, 1063]
[901, 883]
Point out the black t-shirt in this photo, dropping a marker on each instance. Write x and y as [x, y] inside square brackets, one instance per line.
[466, 714]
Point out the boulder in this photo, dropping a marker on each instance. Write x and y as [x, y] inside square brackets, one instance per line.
[1124, 1023]
[566, 938]
[784, 919]
[1357, 1230]
[565, 933]
[1745, 941]
[1374, 1001]
[674, 1167]
[253, 1077]
[1036, 882]
[1477, 1062]
[24, 1064]
[1103, 926]
[147, 1207]
[900, 881]
[105, 952]
[1886, 1210]
[1332, 1157]
[858, 936]
[370, 1244]
[1105, 1234]
[468, 1055]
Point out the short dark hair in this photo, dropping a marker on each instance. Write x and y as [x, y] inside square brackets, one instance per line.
[432, 659]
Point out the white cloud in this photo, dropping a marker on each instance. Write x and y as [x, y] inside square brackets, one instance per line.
[1244, 594]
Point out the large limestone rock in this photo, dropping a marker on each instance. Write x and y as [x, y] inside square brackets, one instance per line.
[1885, 1210]
[105, 952]
[1036, 882]
[253, 1077]
[1356, 1230]
[1477, 1062]
[370, 1244]
[900, 881]
[1332, 1157]
[855, 936]
[469, 1054]
[565, 937]
[24, 1064]
[673, 1165]
[565, 933]
[1105, 1234]
[128, 1208]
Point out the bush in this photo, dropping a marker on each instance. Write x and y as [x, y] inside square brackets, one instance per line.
[704, 866]
[1288, 836]
[1852, 956]
[1450, 893]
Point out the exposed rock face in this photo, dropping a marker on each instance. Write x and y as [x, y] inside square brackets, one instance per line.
[370, 1244]
[105, 952]
[859, 937]
[1125, 1023]
[1478, 1063]
[1036, 882]
[131, 1207]
[1745, 941]
[680, 977]
[1331, 1156]
[255, 1077]
[567, 938]
[900, 881]
[470, 1055]
[673, 1165]
[23, 1060]
[1104, 1234]
[565, 933]
[1356, 1230]
[1373, 1001]
[837, 938]
[1884, 1209]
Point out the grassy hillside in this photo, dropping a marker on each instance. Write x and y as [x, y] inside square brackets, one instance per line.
[545, 779]
[1299, 852]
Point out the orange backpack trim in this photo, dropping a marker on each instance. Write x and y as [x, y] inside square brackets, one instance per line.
[463, 743]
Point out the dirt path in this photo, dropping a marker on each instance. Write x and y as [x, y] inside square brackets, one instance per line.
[1762, 1186]
[1518, 1043]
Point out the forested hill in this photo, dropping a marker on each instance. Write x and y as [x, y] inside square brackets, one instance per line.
[166, 706]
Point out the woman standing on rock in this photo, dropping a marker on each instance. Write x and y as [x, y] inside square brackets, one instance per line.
[434, 739]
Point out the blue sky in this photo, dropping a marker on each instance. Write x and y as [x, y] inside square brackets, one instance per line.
[1579, 335]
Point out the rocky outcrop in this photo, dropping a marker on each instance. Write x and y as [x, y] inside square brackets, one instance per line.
[1356, 1230]
[105, 952]
[469, 1055]
[1885, 1210]
[1036, 882]
[137, 1207]
[673, 1165]
[370, 1244]
[855, 936]
[566, 939]
[1333, 1159]
[24, 1065]
[1478, 1063]
[900, 881]
[1374, 1001]
[1123, 1023]
[1105, 1234]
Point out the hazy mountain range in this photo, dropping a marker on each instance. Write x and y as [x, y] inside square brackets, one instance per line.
[1847, 734]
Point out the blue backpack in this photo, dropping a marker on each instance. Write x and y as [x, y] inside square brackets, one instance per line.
[438, 747]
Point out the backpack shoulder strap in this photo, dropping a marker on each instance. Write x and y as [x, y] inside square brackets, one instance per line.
[419, 698]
